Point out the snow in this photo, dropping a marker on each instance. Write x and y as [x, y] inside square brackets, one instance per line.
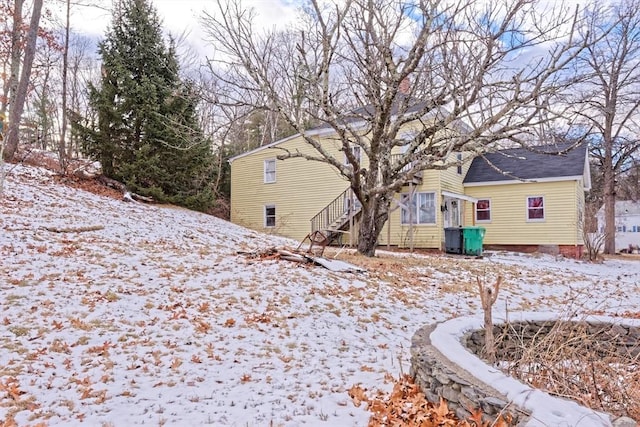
[145, 314]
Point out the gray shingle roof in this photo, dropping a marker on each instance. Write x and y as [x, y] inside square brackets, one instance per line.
[367, 111]
[526, 164]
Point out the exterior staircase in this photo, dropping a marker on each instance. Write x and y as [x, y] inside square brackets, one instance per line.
[336, 217]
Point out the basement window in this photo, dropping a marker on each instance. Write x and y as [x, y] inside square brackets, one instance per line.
[270, 216]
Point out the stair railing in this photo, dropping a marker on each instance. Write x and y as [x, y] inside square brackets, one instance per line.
[345, 206]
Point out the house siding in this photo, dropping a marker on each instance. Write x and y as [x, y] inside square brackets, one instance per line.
[302, 188]
[424, 235]
[627, 218]
[509, 224]
[450, 179]
[580, 212]
[429, 236]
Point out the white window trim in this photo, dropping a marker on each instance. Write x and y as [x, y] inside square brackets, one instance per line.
[544, 209]
[358, 157]
[435, 216]
[265, 216]
[266, 162]
[475, 211]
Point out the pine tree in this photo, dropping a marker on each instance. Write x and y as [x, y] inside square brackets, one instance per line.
[147, 134]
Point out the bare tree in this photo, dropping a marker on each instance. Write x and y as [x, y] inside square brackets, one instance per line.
[14, 55]
[17, 102]
[83, 68]
[611, 95]
[488, 69]
[42, 99]
[62, 145]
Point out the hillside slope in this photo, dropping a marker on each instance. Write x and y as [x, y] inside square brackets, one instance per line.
[120, 313]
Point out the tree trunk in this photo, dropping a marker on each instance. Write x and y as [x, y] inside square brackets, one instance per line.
[11, 142]
[374, 216]
[9, 91]
[609, 202]
[62, 148]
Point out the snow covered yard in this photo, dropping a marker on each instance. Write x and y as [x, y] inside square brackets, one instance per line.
[115, 313]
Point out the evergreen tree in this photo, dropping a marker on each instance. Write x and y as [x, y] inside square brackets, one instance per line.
[147, 134]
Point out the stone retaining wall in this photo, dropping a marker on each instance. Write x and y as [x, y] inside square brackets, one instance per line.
[440, 368]
[438, 377]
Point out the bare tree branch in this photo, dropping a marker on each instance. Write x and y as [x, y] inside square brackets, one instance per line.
[469, 73]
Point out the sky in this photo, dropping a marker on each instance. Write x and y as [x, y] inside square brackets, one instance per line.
[181, 17]
[117, 313]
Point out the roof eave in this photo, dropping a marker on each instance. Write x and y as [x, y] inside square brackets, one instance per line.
[312, 132]
[319, 131]
[523, 181]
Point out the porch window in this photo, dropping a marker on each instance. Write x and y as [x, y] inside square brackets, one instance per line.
[535, 208]
[270, 216]
[422, 207]
[483, 210]
[269, 171]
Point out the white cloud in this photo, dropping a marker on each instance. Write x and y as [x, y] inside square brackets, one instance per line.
[183, 16]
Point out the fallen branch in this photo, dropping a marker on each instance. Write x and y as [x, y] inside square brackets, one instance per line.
[112, 183]
[74, 229]
[127, 196]
[291, 256]
[133, 197]
[140, 198]
[262, 254]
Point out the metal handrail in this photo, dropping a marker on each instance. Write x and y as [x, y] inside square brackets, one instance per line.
[395, 160]
[345, 206]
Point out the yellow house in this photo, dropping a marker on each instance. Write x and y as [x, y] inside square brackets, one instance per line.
[528, 199]
[537, 200]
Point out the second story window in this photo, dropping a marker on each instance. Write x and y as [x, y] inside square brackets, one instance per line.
[356, 151]
[269, 171]
[459, 165]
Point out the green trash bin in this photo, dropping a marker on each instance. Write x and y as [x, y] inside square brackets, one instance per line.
[472, 240]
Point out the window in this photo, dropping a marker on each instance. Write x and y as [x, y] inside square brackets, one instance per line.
[535, 208]
[355, 150]
[270, 171]
[270, 216]
[422, 207]
[459, 159]
[483, 210]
